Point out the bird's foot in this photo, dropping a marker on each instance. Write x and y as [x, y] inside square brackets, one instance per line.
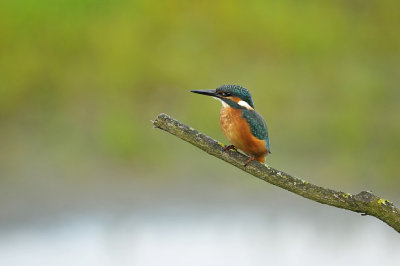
[249, 160]
[230, 147]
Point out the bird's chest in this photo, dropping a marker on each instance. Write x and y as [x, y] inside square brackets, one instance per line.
[232, 124]
[237, 130]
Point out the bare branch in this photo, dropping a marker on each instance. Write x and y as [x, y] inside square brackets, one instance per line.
[364, 202]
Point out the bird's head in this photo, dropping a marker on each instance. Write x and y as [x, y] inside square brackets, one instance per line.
[232, 95]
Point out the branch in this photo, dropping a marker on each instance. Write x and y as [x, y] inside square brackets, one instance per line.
[364, 202]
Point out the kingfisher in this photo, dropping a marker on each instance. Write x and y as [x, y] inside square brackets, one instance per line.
[240, 123]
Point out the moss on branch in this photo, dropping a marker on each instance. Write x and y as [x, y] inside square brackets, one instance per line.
[364, 202]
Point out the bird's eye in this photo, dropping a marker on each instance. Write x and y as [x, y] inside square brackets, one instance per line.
[224, 94]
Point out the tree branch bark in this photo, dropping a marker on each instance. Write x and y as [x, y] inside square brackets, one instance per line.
[364, 202]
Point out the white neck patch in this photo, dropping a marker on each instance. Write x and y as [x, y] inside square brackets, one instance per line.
[245, 105]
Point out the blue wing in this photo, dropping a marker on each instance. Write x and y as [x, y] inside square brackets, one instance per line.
[257, 125]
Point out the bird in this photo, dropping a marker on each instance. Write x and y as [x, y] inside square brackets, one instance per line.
[241, 124]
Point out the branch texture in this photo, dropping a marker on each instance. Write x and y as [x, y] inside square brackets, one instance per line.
[364, 202]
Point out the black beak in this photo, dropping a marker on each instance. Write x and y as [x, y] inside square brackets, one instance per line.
[207, 92]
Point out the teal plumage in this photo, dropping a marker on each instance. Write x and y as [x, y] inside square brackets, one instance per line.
[257, 126]
[237, 91]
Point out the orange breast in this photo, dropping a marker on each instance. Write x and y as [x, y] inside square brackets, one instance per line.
[237, 131]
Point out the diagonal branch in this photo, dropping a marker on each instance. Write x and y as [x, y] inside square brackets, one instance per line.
[364, 202]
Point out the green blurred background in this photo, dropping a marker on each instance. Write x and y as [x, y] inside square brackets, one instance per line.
[81, 80]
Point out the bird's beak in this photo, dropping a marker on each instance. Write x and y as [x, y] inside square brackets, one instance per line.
[207, 92]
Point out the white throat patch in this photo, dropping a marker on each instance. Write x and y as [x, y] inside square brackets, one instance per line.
[245, 105]
[224, 104]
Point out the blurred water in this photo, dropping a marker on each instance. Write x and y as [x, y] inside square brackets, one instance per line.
[200, 216]
[171, 237]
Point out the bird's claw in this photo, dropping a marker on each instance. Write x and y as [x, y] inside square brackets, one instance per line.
[249, 160]
[230, 147]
